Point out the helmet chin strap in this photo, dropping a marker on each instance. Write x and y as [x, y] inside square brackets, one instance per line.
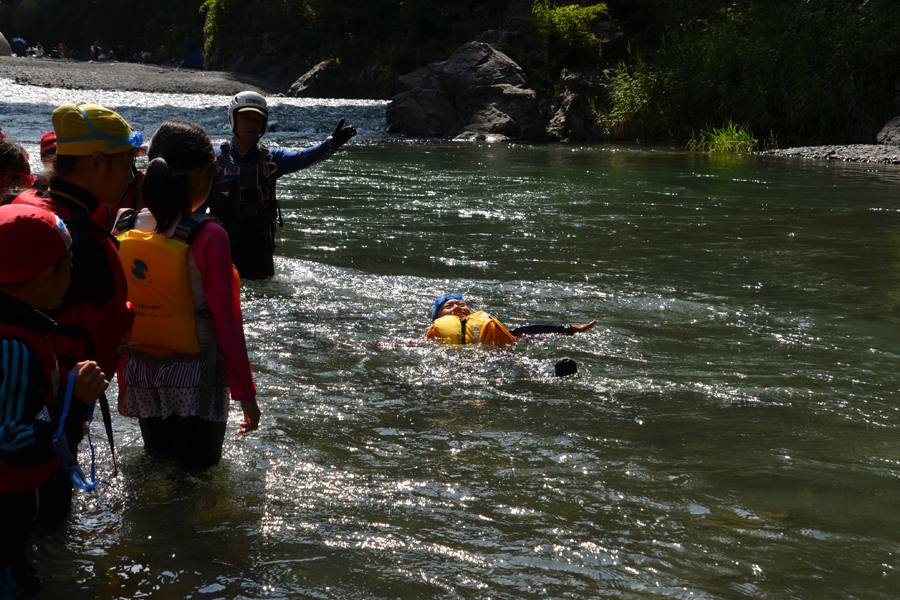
[243, 141]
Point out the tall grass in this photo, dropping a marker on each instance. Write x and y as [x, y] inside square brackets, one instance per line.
[732, 138]
[635, 110]
[810, 70]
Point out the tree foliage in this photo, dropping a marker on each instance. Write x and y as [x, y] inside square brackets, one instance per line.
[808, 70]
[570, 25]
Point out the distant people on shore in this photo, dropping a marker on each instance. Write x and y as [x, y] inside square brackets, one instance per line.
[38, 50]
[243, 197]
[96, 51]
[19, 47]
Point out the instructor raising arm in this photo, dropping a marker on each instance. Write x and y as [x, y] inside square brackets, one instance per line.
[243, 194]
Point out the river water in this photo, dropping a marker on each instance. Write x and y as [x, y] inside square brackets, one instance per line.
[732, 432]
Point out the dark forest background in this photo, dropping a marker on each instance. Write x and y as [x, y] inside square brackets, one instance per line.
[800, 71]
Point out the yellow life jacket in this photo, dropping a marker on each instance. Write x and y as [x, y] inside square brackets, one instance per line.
[159, 287]
[479, 327]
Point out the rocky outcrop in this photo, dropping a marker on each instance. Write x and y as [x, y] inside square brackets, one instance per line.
[581, 95]
[329, 79]
[890, 133]
[325, 80]
[478, 93]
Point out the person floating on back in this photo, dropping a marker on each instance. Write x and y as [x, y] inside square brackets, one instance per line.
[35, 420]
[186, 353]
[453, 322]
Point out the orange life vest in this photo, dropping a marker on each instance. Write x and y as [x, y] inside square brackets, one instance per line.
[477, 328]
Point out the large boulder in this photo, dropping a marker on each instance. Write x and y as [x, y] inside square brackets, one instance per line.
[890, 133]
[477, 93]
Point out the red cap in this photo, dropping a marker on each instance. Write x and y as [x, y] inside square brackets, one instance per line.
[48, 143]
[31, 240]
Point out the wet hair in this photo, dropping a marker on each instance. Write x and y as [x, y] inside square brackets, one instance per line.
[13, 157]
[178, 149]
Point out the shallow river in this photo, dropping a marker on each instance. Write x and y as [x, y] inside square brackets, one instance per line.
[732, 432]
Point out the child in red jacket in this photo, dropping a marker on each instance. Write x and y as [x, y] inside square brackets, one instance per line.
[35, 264]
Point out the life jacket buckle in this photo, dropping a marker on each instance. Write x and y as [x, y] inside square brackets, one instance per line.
[248, 194]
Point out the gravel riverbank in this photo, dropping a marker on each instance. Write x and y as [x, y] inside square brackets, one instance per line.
[867, 153]
[133, 77]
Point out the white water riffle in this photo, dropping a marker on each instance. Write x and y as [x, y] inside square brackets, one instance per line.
[26, 112]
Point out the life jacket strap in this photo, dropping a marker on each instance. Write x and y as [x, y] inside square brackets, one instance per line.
[189, 226]
[462, 330]
[107, 425]
[125, 220]
[62, 450]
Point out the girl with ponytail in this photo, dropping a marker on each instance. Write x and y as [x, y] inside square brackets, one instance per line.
[187, 353]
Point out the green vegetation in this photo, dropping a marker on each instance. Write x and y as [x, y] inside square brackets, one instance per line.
[730, 138]
[634, 99]
[570, 26]
[808, 70]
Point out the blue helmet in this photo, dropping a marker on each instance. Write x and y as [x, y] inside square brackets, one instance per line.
[440, 301]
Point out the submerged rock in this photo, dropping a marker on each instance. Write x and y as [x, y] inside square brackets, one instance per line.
[477, 93]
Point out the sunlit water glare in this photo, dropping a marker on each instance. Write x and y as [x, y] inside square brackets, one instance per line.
[732, 431]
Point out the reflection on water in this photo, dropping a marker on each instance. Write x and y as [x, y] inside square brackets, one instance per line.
[731, 432]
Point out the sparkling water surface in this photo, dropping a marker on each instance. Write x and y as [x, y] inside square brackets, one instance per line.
[732, 431]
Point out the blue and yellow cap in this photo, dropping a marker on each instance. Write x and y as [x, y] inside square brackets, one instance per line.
[440, 301]
[83, 130]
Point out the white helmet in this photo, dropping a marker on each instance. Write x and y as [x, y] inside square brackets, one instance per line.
[248, 101]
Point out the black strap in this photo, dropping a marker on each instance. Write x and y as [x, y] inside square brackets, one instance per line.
[107, 424]
[91, 226]
[189, 226]
[462, 330]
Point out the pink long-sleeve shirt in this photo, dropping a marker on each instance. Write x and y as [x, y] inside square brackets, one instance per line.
[214, 287]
